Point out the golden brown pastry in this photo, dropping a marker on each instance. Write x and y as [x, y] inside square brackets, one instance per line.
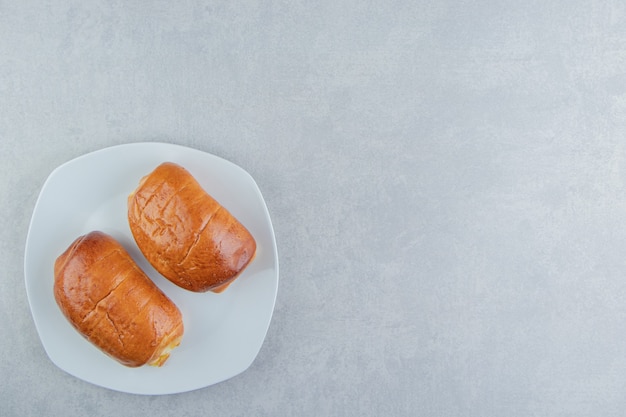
[113, 304]
[185, 234]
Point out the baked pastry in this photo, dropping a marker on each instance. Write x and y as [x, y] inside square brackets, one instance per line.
[185, 234]
[113, 304]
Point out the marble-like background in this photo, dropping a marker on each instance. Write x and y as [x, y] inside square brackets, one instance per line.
[446, 179]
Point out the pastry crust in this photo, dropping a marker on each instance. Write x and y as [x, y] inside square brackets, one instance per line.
[113, 304]
[185, 234]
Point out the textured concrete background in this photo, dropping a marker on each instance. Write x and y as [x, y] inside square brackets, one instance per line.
[447, 182]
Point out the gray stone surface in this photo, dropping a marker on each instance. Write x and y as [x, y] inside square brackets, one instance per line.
[447, 182]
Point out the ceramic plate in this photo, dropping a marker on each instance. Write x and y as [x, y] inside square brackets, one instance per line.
[223, 332]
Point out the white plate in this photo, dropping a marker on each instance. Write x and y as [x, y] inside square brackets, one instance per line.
[223, 332]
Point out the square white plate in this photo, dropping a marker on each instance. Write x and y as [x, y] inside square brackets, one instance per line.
[223, 332]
